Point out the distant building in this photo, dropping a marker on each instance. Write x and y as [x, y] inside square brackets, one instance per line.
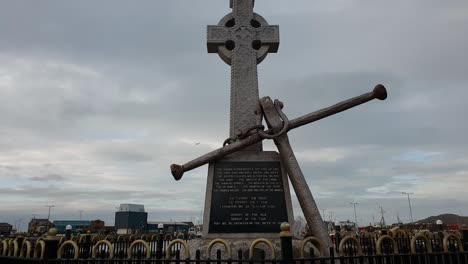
[131, 218]
[37, 225]
[79, 226]
[5, 229]
[170, 227]
[347, 225]
[97, 226]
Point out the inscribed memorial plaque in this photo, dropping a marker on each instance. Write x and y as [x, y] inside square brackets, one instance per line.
[247, 197]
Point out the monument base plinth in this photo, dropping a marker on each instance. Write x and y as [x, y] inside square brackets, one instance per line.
[247, 197]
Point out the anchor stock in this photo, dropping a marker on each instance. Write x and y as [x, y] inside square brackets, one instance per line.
[379, 92]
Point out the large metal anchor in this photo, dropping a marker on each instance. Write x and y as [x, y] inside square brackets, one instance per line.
[379, 92]
[279, 125]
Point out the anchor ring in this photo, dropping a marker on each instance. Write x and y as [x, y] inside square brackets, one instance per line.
[278, 107]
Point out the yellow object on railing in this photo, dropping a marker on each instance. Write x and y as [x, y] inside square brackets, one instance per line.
[183, 243]
[380, 241]
[218, 241]
[39, 249]
[14, 248]
[343, 242]
[26, 249]
[397, 233]
[316, 242]
[95, 239]
[264, 241]
[105, 242]
[83, 238]
[427, 242]
[136, 242]
[62, 247]
[3, 248]
[62, 240]
[445, 242]
[154, 237]
[168, 237]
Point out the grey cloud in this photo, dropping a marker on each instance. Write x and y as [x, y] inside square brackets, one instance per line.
[48, 178]
[424, 121]
[10, 168]
[116, 91]
[127, 151]
[69, 194]
[93, 30]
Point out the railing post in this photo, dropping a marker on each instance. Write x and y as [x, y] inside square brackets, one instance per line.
[464, 232]
[87, 246]
[286, 244]
[19, 241]
[51, 245]
[159, 249]
[332, 255]
[337, 235]
[68, 232]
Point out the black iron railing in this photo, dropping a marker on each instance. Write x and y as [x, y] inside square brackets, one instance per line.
[350, 248]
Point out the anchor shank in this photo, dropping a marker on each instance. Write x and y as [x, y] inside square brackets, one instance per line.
[178, 170]
[289, 161]
[302, 190]
[379, 92]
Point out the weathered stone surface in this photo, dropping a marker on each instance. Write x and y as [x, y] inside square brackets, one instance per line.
[243, 39]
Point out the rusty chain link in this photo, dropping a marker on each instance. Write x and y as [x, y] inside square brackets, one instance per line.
[260, 129]
[242, 134]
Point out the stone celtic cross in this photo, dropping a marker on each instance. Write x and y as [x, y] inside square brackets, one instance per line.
[243, 39]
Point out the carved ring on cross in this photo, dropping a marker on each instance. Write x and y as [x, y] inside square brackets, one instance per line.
[243, 36]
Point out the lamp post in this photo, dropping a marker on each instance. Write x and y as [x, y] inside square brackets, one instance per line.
[48, 216]
[159, 251]
[18, 224]
[409, 204]
[355, 216]
[68, 232]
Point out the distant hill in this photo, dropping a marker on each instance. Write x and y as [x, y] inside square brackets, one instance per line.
[447, 219]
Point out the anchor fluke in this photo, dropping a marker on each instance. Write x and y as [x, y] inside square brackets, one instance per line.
[380, 92]
[177, 171]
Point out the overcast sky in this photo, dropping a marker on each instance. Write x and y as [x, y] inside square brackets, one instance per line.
[98, 98]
